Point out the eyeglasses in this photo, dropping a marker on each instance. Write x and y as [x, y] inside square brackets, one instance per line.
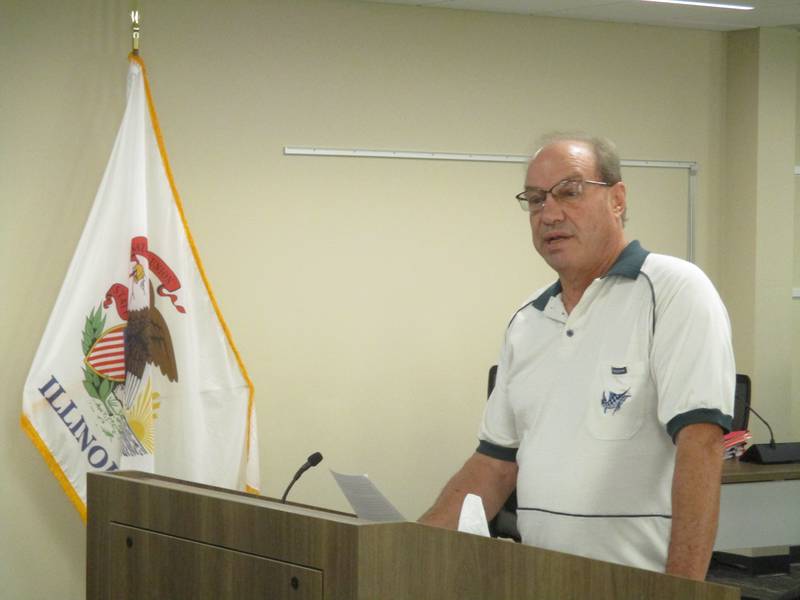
[564, 192]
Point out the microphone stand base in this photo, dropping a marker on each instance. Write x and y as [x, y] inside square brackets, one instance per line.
[764, 454]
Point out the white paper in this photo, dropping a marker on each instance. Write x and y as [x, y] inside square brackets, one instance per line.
[366, 499]
[473, 517]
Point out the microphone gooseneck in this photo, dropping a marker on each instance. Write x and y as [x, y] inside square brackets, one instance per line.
[312, 461]
[764, 421]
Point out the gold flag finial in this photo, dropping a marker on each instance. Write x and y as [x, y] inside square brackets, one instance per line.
[135, 30]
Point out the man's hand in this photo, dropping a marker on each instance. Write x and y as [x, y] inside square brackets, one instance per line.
[695, 500]
[491, 479]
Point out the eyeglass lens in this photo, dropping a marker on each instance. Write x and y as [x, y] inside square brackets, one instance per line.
[563, 190]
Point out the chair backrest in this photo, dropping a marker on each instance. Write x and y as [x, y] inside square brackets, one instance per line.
[741, 403]
[492, 377]
[504, 523]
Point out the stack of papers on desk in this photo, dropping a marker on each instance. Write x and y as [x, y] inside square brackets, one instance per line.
[735, 442]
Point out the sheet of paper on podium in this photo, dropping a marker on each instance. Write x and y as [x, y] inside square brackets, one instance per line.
[366, 499]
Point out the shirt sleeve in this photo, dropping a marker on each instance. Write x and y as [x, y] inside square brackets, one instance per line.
[692, 355]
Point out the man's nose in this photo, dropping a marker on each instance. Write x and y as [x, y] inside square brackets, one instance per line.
[552, 211]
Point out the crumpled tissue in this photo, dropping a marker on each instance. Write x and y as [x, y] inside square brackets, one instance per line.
[473, 517]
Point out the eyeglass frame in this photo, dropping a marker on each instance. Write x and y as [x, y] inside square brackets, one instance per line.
[523, 202]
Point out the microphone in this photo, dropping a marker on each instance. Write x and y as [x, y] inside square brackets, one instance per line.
[772, 453]
[312, 461]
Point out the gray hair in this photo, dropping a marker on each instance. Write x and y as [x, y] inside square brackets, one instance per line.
[606, 157]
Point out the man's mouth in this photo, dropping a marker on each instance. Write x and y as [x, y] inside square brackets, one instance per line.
[555, 237]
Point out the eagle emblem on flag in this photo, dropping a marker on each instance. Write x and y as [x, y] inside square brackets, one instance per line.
[118, 361]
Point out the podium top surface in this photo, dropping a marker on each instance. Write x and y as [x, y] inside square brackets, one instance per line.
[735, 471]
[246, 498]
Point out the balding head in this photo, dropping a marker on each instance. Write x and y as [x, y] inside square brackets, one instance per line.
[604, 153]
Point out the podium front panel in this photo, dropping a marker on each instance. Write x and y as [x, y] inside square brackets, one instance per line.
[153, 566]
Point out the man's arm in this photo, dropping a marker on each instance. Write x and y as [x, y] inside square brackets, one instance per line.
[490, 478]
[695, 499]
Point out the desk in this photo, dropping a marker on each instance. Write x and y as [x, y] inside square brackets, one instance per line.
[759, 506]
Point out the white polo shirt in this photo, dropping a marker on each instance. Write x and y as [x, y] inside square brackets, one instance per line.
[589, 404]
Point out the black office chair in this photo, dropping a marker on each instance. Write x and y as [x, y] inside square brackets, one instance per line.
[504, 524]
[741, 403]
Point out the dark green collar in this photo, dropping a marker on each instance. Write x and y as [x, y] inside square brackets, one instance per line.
[544, 298]
[628, 264]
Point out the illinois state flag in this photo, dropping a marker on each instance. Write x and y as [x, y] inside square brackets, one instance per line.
[137, 369]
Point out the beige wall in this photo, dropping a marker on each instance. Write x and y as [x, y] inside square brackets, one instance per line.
[777, 137]
[740, 189]
[796, 278]
[367, 296]
[759, 217]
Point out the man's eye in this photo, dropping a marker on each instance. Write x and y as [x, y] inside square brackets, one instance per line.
[569, 190]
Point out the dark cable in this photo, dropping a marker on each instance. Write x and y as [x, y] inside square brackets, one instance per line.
[760, 418]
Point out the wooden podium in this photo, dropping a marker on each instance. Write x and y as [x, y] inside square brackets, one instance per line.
[155, 538]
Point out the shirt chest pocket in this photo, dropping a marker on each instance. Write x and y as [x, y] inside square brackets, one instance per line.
[617, 408]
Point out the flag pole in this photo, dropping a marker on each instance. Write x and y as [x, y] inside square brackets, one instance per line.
[135, 32]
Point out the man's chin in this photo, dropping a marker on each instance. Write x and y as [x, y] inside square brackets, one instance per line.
[557, 258]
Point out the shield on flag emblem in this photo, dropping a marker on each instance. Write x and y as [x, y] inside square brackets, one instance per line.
[107, 355]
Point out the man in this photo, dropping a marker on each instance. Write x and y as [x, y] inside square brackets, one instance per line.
[614, 386]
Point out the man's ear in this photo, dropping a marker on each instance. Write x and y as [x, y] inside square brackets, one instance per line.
[618, 198]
